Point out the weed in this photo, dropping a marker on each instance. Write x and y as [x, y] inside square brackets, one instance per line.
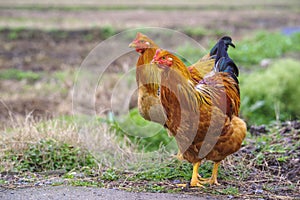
[15, 33]
[51, 155]
[107, 31]
[189, 54]
[109, 175]
[133, 126]
[61, 34]
[19, 75]
[200, 32]
[262, 90]
[154, 188]
[88, 37]
[84, 183]
[263, 45]
[229, 191]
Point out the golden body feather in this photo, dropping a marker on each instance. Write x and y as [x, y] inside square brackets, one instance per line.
[201, 68]
[203, 118]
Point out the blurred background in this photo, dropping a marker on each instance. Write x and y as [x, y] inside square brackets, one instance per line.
[43, 44]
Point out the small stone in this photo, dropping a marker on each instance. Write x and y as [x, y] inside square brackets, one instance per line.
[258, 191]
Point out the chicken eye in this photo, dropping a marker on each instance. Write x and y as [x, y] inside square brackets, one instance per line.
[164, 58]
[142, 41]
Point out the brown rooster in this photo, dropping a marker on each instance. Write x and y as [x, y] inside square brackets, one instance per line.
[203, 118]
[148, 76]
[148, 80]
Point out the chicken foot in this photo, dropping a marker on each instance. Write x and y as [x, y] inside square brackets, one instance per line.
[195, 181]
[213, 179]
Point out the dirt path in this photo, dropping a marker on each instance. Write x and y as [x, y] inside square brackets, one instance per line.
[69, 192]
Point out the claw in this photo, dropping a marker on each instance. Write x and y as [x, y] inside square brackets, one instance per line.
[182, 185]
[210, 181]
[213, 179]
[196, 183]
[202, 179]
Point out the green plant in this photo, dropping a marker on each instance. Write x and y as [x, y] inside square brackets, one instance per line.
[196, 32]
[107, 31]
[148, 135]
[61, 34]
[19, 75]
[88, 37]
[271, 94]
[199, 32]
[230, 191]
[190, 54]
[15, 33]
[109, 175]
[263, 45]
[50, 155]
[84, 183]
[172, 169]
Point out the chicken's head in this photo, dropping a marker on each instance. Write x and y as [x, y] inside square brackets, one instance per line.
[141, 43]
[163, 59]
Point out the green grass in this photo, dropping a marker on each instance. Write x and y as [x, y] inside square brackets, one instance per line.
[17, 74]
[133, 126]
[229, 191]
[84, 183]
[171, 169]
[199, 32]
[251, 51]
[96, 33]
[271, 94]
[50, 155]
[190, 54]
[110, 175]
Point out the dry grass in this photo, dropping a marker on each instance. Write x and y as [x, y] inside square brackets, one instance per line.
[110, 149]
[91, 135]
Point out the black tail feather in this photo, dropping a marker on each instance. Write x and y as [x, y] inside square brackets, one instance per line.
[223, 62]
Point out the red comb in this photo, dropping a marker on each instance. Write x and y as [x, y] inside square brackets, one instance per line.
[138, 34]
[157, 52]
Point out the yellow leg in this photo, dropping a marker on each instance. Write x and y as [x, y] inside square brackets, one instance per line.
[213, 179]
[195, 182]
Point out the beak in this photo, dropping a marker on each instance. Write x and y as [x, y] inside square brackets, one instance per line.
[231, 44]
[132, 45]
[154, 62]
